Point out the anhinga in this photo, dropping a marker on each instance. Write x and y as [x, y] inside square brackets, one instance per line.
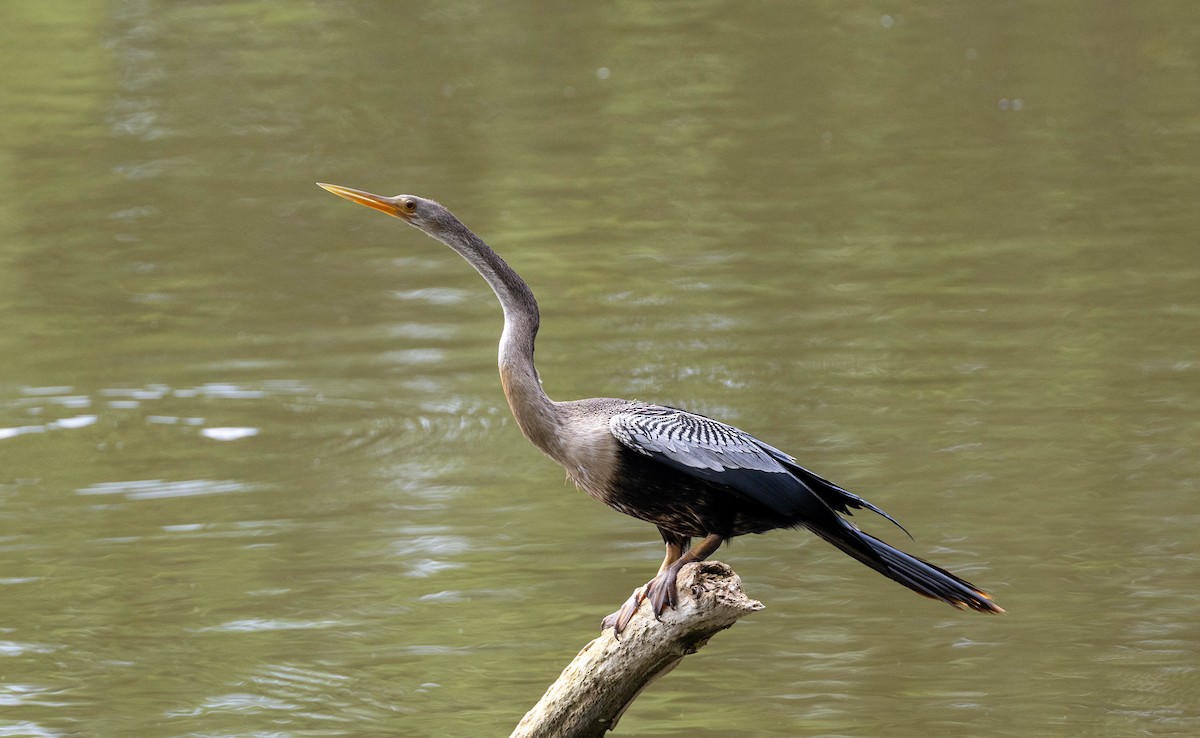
[691, 476]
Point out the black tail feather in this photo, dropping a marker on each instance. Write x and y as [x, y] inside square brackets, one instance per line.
[918, 575]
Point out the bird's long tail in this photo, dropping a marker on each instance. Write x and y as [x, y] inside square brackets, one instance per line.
[918, 575]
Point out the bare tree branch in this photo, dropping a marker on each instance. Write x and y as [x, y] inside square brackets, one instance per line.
[609, 673]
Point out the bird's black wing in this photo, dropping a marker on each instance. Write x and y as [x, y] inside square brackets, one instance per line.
[835, 496]
[721, 453]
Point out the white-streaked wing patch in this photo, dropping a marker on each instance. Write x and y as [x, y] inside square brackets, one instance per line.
[691, 440]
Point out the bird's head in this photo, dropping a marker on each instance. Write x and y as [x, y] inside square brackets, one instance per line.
[426, 215]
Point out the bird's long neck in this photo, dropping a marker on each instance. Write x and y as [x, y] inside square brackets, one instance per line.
[537, 415]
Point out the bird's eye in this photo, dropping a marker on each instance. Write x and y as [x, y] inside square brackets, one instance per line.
[409, 206]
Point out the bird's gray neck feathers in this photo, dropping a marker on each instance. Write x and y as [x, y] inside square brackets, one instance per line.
[536, 414]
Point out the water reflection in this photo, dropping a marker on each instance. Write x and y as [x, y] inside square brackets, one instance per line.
[157, 489]
[256, 473]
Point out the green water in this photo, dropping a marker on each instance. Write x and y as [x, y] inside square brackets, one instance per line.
[257, 477]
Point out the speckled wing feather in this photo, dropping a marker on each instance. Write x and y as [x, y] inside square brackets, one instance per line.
[718, 453]
[693, 440]
[721, 453]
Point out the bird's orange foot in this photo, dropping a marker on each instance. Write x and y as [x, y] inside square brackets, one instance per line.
[619, 619]
[660, 591]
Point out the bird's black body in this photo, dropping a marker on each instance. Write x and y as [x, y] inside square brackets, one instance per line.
[684, 505]
[690, 476]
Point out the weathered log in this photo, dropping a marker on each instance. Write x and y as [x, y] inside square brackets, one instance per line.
[609, 673]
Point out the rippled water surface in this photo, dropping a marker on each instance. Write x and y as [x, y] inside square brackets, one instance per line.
[257, 477]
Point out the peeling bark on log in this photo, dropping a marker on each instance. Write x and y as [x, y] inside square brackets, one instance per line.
[609, 673]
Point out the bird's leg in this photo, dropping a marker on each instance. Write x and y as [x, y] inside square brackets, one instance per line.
[661, 589]
[675, 546]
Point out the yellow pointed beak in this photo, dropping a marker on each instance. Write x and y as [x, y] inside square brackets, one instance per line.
[378, 202]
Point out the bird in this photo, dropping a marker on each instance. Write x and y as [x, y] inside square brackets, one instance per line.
[692, 477]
